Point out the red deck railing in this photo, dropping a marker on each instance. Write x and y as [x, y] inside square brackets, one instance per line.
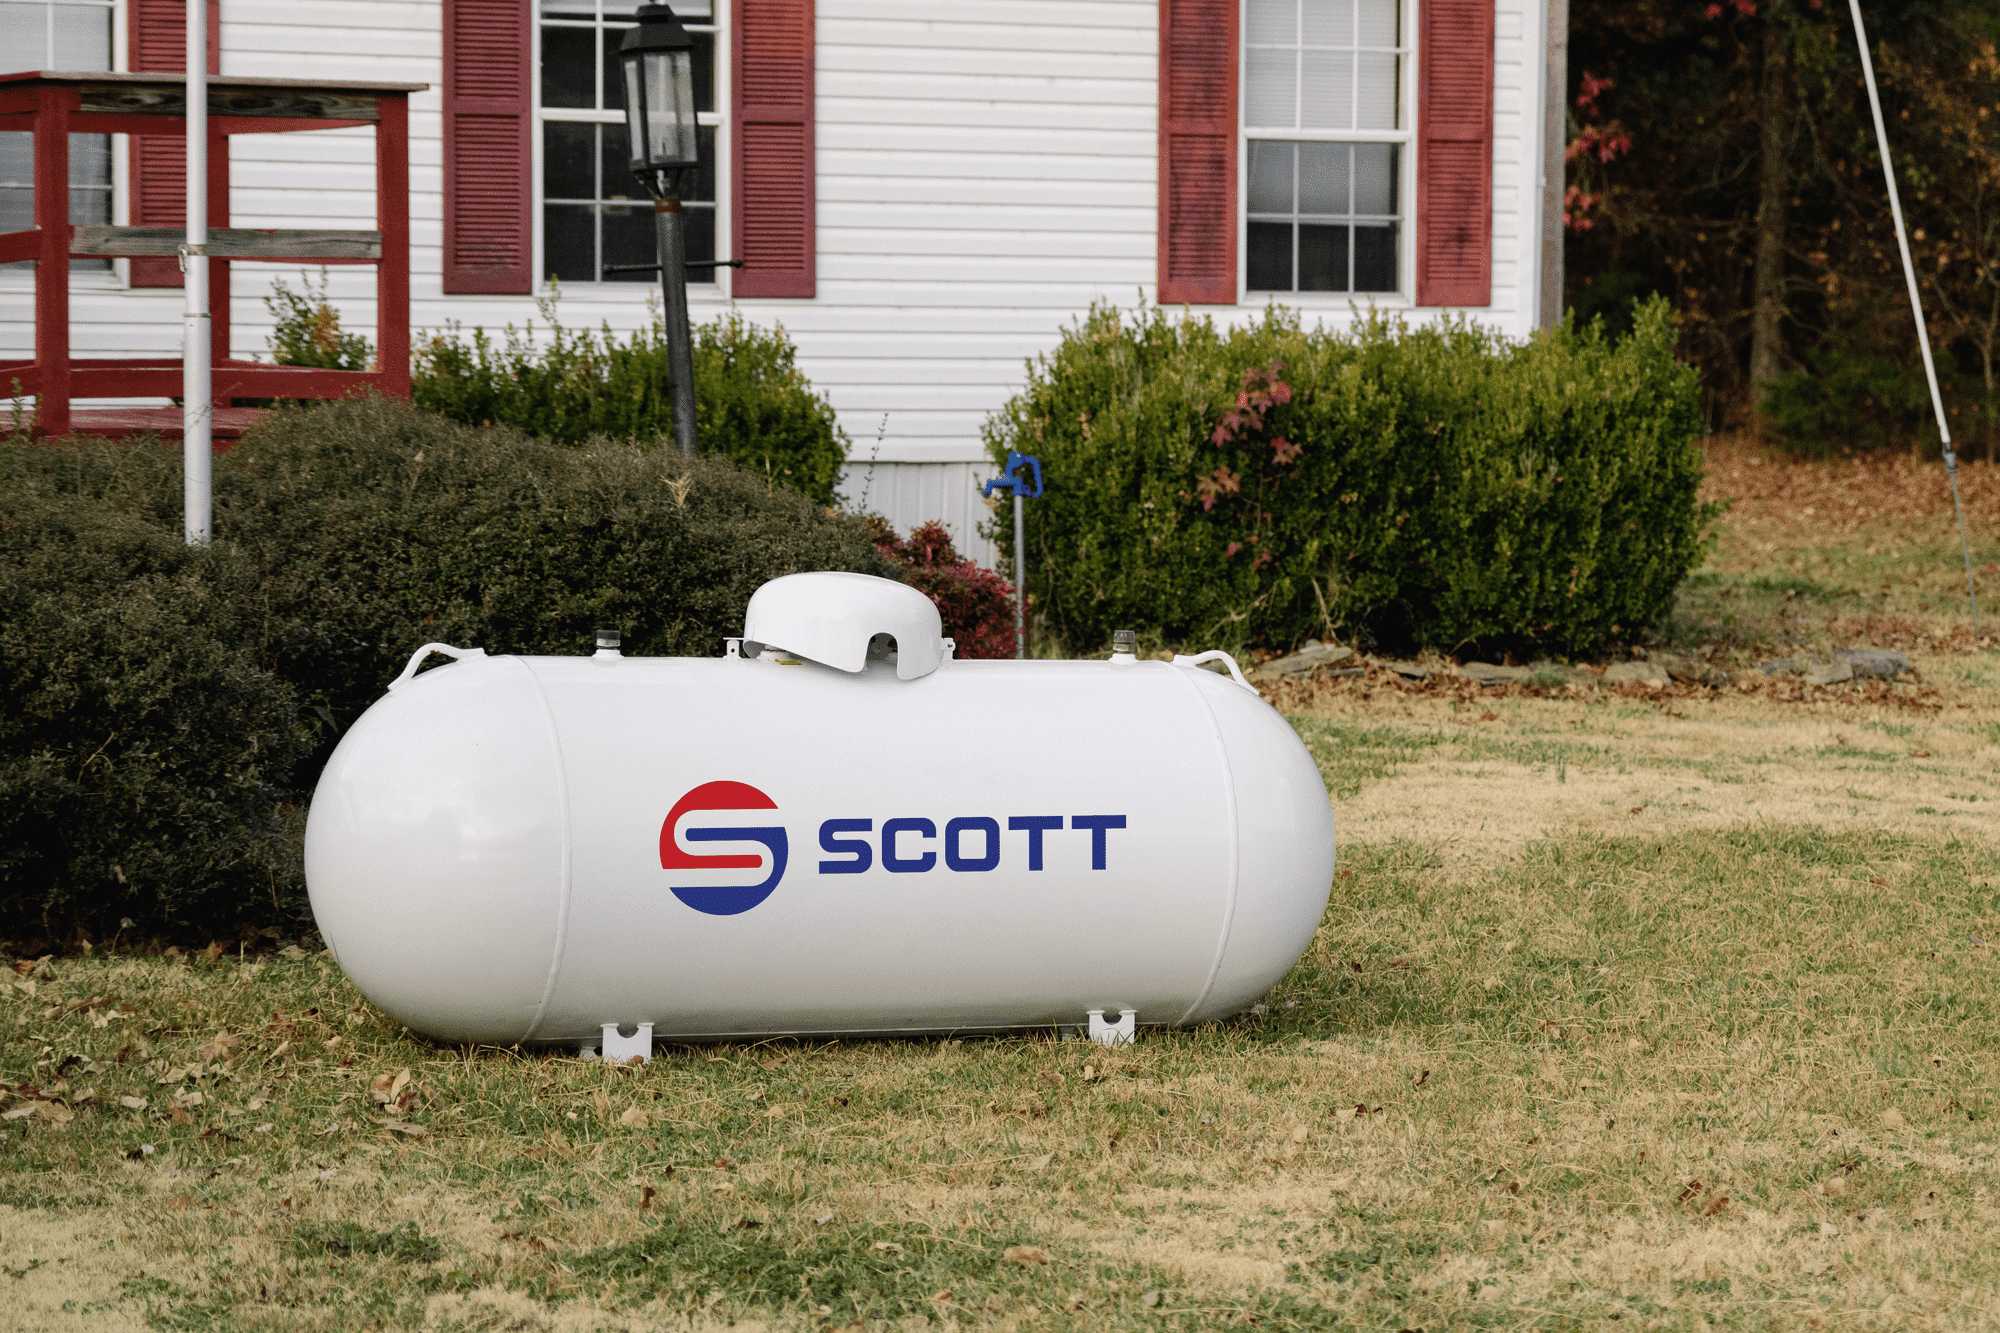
[54, 105]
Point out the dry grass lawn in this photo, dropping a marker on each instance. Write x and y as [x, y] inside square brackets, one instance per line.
[1637, 1011]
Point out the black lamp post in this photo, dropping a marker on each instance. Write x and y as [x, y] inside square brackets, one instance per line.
[658, 56]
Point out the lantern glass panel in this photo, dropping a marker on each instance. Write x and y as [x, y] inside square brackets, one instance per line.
[661, 109]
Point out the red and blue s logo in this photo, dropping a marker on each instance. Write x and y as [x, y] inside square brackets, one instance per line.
[730, 899]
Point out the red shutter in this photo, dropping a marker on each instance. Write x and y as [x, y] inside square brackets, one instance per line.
[488, 156]
[157, 44]
[1197, 245]
[1455, 153]
[772, 203]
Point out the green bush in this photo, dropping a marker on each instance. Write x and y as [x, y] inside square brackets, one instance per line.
[752, 406]
[1436, 486]
[147, 752]
[163, 712]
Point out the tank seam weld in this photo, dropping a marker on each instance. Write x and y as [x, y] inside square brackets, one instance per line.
[562, 815]
[1235, 853]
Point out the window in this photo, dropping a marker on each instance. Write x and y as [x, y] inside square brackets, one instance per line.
[1326, 142]
[593, 212]
[75, 35]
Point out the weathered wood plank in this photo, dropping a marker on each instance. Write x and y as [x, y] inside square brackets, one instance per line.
[228, 242]
[170, 99]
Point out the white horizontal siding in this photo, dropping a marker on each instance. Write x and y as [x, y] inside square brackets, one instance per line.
[911, 494]
[986, 171]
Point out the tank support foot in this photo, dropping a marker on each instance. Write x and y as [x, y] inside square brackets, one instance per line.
[639, 1043]
[1120, 1033]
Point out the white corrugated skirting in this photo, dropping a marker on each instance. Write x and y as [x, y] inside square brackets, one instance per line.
[910, 494]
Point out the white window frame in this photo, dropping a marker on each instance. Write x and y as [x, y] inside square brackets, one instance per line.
[718, 119]
[1404, 135]
[115, 276]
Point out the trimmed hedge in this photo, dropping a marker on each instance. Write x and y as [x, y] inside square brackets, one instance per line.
[164, 712]
[752, 404]
[1436, 486]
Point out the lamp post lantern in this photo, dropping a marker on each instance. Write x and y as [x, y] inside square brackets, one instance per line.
[658, 56]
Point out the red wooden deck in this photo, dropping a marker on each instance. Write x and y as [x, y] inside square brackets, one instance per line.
[165, 422]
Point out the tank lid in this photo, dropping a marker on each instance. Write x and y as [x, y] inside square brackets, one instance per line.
[828, 617]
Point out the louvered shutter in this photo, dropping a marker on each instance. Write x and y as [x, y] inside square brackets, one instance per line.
[488, 156]
[772, 200]
[157, 44]
[1455, 153]
[1197, 245]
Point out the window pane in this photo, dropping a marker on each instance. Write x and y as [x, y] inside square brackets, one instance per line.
[1375, 259]
[1272, 21]
[700, 241]
[1328, 22]
[630, 237]
[17, 161]
[568, 150]
[1323, 177]
[568, 76]
[24, 35]
[1377, 76]
[704, 71]
[569, 241]
[1269, 92]
[703, 185]
[1326, 99]
[1322, 258]
[1270, 177]
[615, 154]
[83, 37]
[89, 162]
[1270, 257]
[1375, 178]
[569, 9]
[17, 215]
[1378, 22]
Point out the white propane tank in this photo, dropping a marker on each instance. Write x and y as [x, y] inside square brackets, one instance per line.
[794, 838]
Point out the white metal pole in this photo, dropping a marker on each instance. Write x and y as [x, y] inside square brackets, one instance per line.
[1916, 301]
[197, 448]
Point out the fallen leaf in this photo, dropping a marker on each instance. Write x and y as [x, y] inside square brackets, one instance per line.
[189, 1098]
[1042, 1163]
[1150, 1299]
[212, 952]
[1716, 1205]
[1422, 1079]
[386, 1088]
[1299, 1134]
[646, 1197]
[293, 952]
[1694, 1187]
[942, 1298]
[822, 1219]
[1834, 1188]
[726, 1187]
[602, 1101]
[1547, 1072]
[181, 1117]
[256, 1104]
[887, 1247]
[634, 1117]
[133, 1103]
[403, 1127]
[1025, 1255]
[1893, 1119]
[183, 1201]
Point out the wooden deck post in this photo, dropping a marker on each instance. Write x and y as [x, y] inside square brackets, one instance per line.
[52, 259]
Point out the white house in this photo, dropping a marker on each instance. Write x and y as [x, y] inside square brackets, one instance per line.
[923, 191]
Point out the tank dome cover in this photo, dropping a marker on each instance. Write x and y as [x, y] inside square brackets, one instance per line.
[829, 617]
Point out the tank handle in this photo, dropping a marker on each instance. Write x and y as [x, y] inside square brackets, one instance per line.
[417, 659]
[1215, 655]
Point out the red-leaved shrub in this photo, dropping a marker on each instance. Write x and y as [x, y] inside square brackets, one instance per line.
[976, 605]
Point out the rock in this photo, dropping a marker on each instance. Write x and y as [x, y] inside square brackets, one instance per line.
[1310, 658]
[1407, 670]
[1862, 663]
[1693, 670]
[1560, 674]
[1487, 674]
[1650, 674]
[1874, 663]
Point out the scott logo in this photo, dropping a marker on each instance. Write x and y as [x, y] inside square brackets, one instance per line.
[908, 846]
[725, 900]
